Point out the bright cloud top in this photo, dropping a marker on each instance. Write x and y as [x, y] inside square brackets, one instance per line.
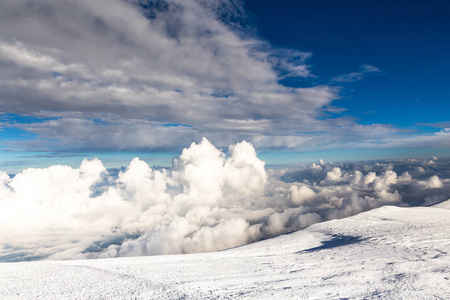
[207, 201]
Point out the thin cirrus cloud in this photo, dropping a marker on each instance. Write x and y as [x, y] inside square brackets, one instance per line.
[92, 72]
[356, 76]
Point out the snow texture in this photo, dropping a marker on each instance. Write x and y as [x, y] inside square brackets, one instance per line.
[388, 253]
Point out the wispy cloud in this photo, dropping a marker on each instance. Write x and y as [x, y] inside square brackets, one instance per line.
[364, 70]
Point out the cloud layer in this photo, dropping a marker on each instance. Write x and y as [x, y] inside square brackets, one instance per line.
[142, 64]
[120, 75]
[207, 201]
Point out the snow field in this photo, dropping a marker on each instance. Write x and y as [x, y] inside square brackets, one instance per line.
[388, 253]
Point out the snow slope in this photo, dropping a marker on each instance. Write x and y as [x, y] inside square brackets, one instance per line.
[444, 204]
[388, 253]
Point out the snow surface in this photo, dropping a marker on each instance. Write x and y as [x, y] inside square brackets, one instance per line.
[388, 253]
[444, 204]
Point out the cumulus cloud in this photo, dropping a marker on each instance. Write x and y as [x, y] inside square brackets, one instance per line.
[209, 200]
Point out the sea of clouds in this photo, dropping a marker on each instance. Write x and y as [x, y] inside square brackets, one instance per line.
[209, 200]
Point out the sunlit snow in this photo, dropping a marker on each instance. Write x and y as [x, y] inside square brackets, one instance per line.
[388, 253]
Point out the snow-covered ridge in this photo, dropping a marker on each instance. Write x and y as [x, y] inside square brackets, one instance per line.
[444, 204]
[388, 253]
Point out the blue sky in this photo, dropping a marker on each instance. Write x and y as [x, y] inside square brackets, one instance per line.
[300, 80]
[407, 40]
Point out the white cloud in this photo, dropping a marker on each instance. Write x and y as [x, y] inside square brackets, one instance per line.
[170, 66]
[301, 194]
[355, 76]
[207, 201]
[432, 182]
[113, 74]
[334, 175]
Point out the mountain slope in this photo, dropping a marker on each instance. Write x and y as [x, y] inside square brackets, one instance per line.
[389, 252]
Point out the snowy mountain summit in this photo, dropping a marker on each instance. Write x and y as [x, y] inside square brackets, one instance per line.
[388, 253]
